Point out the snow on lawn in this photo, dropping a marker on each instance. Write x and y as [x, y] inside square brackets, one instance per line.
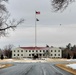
[71, 60]
[1, 66]
[73, 66]
[10, 59]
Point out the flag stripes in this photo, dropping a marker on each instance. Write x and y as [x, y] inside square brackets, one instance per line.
[37, 12]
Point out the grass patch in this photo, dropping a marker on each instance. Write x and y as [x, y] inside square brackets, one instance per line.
[68, 69]
[6, 65]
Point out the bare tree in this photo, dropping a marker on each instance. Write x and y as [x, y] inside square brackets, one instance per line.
[7, 51]
[0, 52]
[60, 4]
[47, 53]
[5, 22]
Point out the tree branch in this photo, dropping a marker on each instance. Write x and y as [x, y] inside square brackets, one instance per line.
[60, 4]
[5, 23]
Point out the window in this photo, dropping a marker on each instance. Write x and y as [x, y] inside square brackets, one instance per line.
[51, 50]
[58, 54]
[58, 50]
[21, 50]
[29, 54]
[43, 50]
[32, 50]
[14, 50]
[21, 54]
[17, 54]
[36, 50]
[55, 50]
[40, 54]
[43, 54]
[26, 50]
[18, 51]
[55, 54]
[51, 54]
[40, 50]
[29, 50]
[14, 55]
[32, 54]
[46, 50]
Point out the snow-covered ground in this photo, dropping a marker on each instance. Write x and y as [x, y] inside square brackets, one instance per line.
[2, 66]
[71, 60]
[27, 60]
[73, 66]
[38, 60]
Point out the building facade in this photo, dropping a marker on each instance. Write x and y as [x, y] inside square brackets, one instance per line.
[39, 52]
[55, 52]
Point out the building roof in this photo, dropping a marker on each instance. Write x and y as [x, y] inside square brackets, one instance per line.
[34, 48]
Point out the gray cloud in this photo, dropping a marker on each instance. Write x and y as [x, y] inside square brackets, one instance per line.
[49, 30]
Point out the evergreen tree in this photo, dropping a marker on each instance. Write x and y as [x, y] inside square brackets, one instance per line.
[74, 57]
[68, 57]
[2, 57]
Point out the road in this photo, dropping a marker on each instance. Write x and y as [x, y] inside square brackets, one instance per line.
[33, 69]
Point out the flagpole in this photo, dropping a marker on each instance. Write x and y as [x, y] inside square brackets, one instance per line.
[35, 31]
[36, 12]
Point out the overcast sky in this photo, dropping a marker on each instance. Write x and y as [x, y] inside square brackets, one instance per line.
[49, 30]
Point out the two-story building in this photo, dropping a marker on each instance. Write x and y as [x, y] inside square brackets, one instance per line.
[55, 52]
[41, 52]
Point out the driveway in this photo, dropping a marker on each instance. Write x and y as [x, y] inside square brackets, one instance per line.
[33, 69]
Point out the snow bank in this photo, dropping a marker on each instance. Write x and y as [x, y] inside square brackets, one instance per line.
[10, 59]
[73, 66]
[71, 60]
[1, 66]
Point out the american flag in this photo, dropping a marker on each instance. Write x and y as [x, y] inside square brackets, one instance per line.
[37, 12]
